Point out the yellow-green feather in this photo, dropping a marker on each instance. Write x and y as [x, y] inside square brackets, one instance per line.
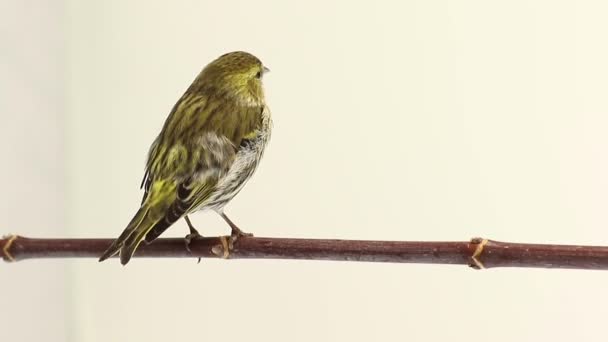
[224, 104]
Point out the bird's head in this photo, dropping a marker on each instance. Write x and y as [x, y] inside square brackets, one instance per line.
[237, 73]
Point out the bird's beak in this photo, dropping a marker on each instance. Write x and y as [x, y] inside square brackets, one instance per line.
[266, 70]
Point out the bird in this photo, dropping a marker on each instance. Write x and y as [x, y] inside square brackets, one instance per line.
[208, 148]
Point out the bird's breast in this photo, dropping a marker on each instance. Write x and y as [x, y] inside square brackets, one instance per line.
[245, 163]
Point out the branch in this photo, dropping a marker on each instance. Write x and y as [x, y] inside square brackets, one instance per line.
[477, 253]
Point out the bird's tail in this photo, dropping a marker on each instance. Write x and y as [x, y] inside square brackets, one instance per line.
[131, 237]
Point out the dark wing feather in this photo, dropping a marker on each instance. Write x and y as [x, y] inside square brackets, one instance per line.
[176, 211]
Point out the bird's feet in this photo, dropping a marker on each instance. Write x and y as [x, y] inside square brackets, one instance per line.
[236, 232]
[194, 234]
[188, 240]
[191, 237]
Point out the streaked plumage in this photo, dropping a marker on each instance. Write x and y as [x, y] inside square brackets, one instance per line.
[208, 148]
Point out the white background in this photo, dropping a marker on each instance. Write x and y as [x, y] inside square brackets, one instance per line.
[415, 120]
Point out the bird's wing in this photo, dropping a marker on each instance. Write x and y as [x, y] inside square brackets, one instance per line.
[214, 155]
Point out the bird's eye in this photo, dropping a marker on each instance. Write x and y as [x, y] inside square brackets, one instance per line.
[258, 75]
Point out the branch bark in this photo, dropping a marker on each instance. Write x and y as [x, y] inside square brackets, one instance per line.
[477, 253]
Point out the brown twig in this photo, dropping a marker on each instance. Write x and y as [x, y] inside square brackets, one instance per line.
[477, 253]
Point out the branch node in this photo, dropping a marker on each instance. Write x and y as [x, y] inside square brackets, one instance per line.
[223, 250]
[475, 258]
[6, 249]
